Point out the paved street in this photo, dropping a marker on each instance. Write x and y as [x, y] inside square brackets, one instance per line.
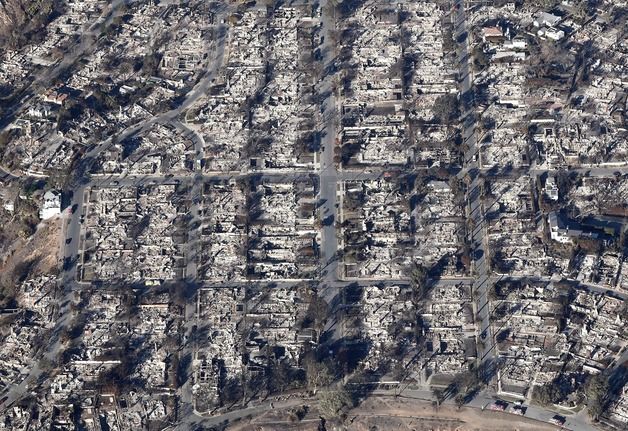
[331, 177]
[193, 244]
[189, 419]
[475, 212]
[328, 171]
[84, 45]
[67, 276]
[576, 284]
[484, 399]
[72, 227]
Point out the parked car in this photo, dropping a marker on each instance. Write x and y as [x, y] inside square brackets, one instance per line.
[558, 420]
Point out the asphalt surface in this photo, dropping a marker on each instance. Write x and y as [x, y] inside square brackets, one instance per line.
[328, 171]
[72, 220]
[475, 211]
[330, 178]
[484, 400]
[576, 284]
[6, 174]
[85, 44]
[70, 226]
[190, 420]
[193, 244]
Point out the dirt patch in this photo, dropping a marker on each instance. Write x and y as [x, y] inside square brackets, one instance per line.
[307, 425]
[36, 255]
[405, 414]
[380, 414]
[279, 420]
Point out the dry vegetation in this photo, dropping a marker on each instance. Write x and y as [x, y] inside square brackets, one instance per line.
[21, 21]
[30, 257]
[383, 413]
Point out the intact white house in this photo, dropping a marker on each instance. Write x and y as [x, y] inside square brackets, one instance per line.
[51, 206]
